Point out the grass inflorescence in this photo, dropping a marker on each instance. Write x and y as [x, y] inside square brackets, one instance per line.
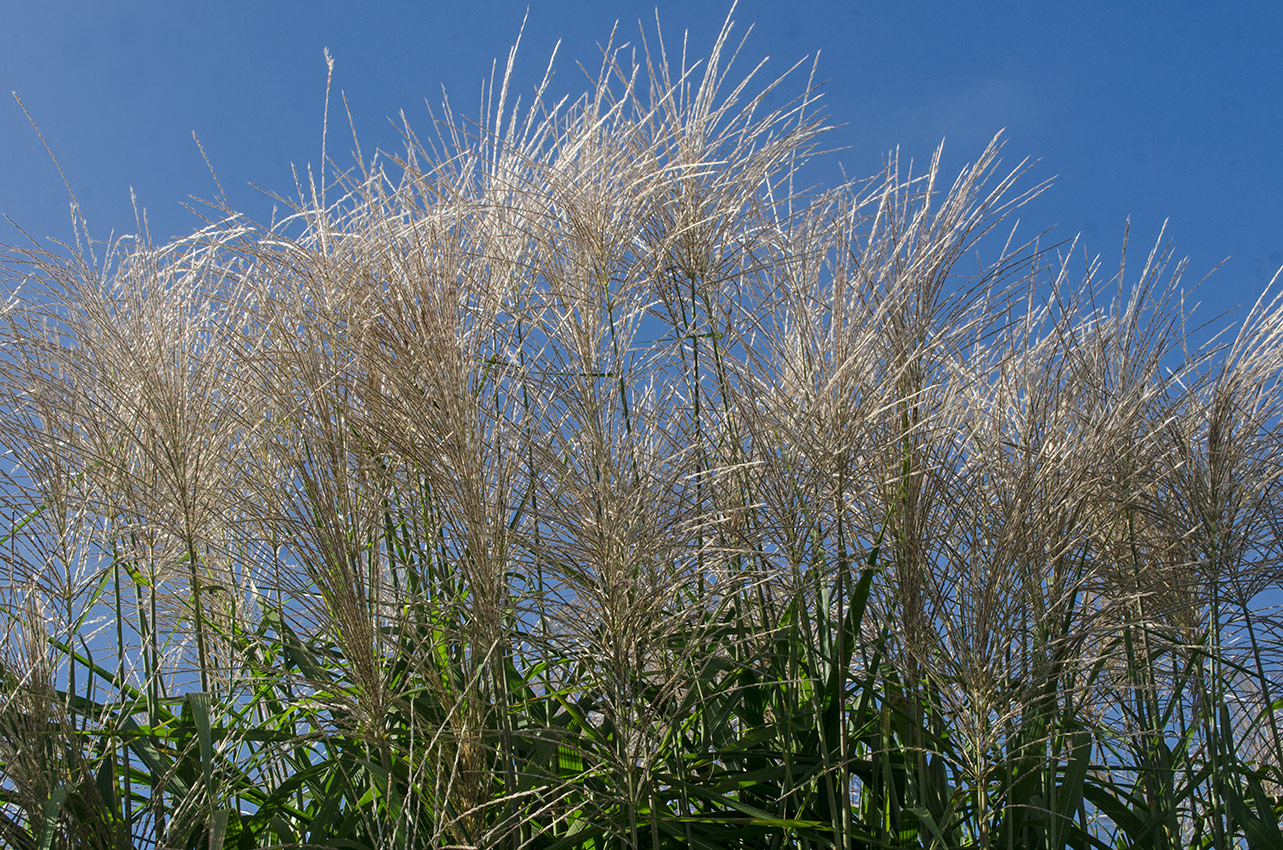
[576, 480]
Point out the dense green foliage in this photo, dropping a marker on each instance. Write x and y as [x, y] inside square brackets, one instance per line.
[590, 485]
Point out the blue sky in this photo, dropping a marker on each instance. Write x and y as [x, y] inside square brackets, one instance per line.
[1154, 111]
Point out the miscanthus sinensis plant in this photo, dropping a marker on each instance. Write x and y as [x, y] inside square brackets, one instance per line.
[574, 480]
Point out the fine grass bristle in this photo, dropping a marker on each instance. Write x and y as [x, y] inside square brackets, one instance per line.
[577, 480]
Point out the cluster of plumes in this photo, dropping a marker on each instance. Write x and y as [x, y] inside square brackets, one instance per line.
[589, 380]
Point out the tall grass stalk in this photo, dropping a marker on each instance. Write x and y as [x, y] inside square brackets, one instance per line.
[577, 480]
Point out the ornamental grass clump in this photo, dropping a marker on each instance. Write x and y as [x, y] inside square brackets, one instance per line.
[574, 479]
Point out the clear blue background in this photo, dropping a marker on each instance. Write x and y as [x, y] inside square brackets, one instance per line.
[1150, 110]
